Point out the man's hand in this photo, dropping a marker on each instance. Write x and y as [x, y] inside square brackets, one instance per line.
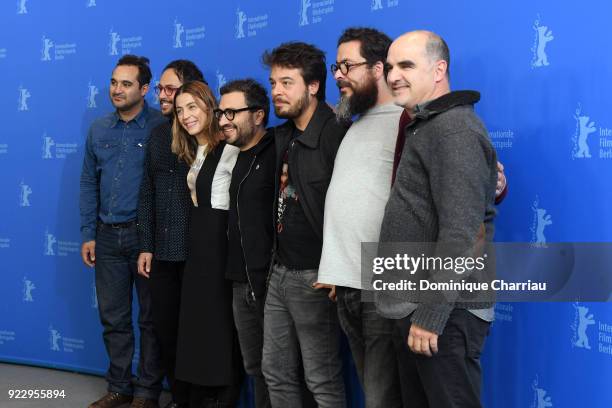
[501, 180]
[332, 288]
[421, 341]
[144, 263]
[88, 253]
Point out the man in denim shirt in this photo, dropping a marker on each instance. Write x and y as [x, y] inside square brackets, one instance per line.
[110, 182]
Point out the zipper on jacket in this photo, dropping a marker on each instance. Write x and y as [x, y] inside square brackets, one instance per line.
[246, 266]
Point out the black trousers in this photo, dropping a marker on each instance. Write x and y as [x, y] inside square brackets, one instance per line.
[165, 285]
[452, 377]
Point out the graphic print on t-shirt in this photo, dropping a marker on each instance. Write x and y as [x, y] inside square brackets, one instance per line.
[286, 192]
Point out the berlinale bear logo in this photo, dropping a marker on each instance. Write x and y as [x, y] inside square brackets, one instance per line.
[241, 18]
[542, 37]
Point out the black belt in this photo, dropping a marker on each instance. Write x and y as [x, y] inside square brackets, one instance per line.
[121, 224]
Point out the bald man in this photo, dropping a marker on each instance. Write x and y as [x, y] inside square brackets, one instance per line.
[444, 193]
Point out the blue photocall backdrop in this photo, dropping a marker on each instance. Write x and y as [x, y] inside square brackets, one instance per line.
[543, 69]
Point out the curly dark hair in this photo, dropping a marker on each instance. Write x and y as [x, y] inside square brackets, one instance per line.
[374, 44]
[186, 71]
[309, 59]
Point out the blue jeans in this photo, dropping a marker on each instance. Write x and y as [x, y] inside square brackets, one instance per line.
[298, 319]
[370, 337]
[116, 272]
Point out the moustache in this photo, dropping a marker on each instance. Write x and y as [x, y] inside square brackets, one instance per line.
[279, 100]
[343, 84]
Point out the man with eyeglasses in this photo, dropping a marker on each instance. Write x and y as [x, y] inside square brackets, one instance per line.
[243, 115]
[110, 180]
[355, 204]
[163, 214]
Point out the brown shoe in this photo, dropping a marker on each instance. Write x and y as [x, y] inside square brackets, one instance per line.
[138, 402]
[112, 400]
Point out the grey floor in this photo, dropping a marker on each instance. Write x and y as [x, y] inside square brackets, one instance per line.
[80, 389]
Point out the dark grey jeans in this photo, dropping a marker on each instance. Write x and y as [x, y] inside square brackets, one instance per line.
[300, 318]
[249, 320]
[370, 337]
[116, 273]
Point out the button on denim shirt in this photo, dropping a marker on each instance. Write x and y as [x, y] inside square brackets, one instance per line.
[113, 168]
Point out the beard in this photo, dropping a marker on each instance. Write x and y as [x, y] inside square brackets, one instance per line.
[127, 104]
[362, 99]
[244, 133]
[293, 111]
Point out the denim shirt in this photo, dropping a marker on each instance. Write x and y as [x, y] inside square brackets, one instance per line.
[113, 168]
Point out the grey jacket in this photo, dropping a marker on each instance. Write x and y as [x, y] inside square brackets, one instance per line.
[444, 193]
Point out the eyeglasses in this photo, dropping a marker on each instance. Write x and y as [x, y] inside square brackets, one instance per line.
[169, 90]
[345, 67]
[231, 113]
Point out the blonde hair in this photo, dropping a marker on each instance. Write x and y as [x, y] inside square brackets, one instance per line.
[183, 144]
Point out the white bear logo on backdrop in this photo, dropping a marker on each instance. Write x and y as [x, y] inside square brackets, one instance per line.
[50, 241]
[21, 7]
[220, 82]
[114, 40]
[22, 101]
[178, 32]
[47, 44]
[28, 287]
[582, 321]
[48, 142]
[24, 195]
[377, 5]
[541, 220]
[91, 3]
[542, 37]
[540, 399]
[241, 18]
[584, 127]
[154, 96]
[54, 337]
[305, 5]
[92, 91]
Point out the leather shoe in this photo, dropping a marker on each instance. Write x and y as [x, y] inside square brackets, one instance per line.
[139, 402]
[111, 400]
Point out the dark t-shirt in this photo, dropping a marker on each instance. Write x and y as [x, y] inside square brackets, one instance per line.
[298, 245]
[236, 269]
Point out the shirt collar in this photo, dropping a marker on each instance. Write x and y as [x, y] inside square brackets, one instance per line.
[140, 119]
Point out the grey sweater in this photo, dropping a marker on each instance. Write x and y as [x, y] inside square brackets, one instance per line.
[444, 193]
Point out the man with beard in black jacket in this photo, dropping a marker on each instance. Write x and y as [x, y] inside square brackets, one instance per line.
[243, 114]
[299, 316]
